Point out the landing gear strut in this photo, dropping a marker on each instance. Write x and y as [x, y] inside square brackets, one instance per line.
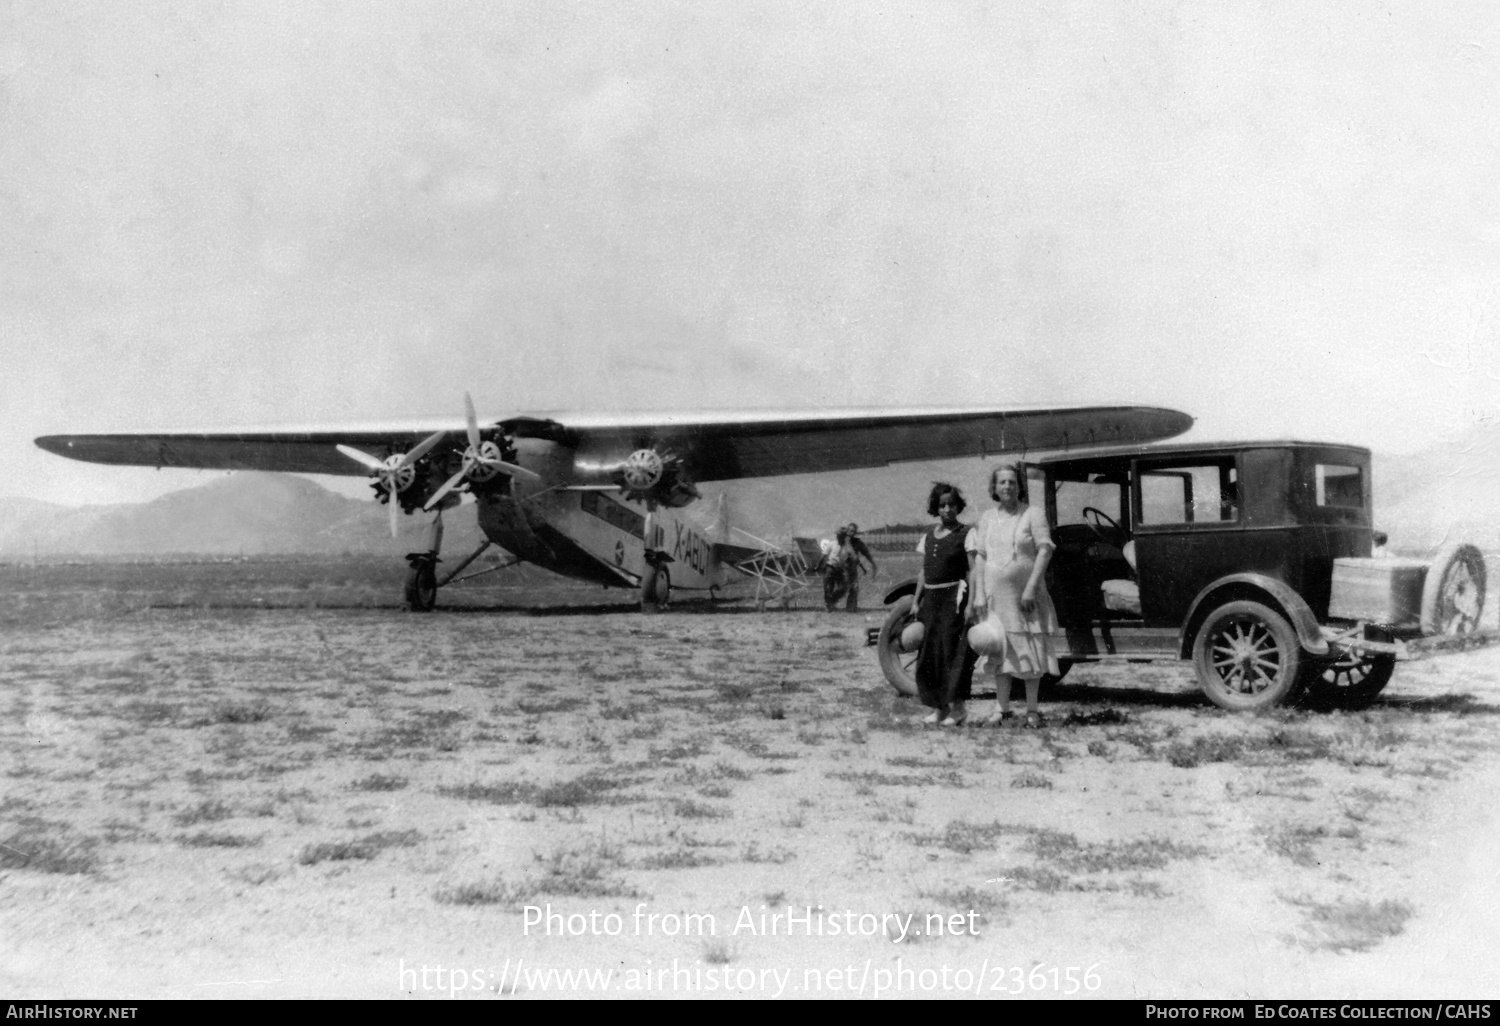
[422, 581]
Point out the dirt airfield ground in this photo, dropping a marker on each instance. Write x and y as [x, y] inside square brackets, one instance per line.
[266, 780]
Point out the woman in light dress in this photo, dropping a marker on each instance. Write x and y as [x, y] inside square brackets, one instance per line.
[1014, 616]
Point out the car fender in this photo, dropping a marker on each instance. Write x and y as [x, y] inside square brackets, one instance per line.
[1309, 633]
[907, 587]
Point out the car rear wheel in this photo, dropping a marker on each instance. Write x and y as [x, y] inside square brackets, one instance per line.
[1352, 680]
[1247, 657]
[900, 668]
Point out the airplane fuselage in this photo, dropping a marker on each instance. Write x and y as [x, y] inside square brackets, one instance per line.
[568, 523]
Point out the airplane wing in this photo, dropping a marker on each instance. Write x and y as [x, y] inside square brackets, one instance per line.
[723, 447]
[714, 446]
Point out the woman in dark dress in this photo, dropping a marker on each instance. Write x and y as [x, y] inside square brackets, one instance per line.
[945, 665]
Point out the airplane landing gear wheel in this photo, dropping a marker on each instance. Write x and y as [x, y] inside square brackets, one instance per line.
[421, 586]
[656, 589]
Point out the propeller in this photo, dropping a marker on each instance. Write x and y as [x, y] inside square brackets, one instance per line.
[482, 460]
[396, 472]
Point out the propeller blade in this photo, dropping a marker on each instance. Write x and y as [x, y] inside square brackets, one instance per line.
[422, 448]
[363, 458]
[448, 485]
[473, 422]
[395, 505]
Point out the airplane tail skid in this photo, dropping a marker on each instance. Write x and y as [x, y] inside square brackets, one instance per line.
[780, 574]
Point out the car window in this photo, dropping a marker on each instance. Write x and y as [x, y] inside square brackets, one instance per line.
[1337, 485]
[1205, 492]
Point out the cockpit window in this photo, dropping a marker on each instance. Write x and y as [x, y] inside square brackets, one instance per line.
[1336, 485]
[1197, 493]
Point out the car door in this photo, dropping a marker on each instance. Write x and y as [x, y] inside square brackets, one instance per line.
[1188, 529]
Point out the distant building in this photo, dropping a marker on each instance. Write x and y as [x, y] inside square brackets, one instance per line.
[894, 537]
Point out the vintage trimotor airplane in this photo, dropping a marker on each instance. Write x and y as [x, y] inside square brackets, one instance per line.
[578, 493]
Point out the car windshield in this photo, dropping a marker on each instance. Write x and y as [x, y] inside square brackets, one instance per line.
[1078, 491]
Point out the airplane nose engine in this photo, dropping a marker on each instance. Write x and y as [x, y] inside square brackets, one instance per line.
[643, 470]
[650, 474]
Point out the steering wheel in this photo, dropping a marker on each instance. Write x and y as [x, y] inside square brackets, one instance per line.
[1097, 519]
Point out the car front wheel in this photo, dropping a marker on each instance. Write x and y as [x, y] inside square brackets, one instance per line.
[1247, 657]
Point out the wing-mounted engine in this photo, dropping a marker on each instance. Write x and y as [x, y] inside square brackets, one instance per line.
[655, 474]
[486, 465]
[423, 476]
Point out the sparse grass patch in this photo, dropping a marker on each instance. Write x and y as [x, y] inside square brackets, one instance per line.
[717, 952]
[687, 808]
[492, 892]
[583, 873]
[589, 789]
[1041, 878]
[207, 839]
[1296, 843]
[379, 782]
[1031, 778]
[685, 750]
[257, 712]
[776, 856]
[151, 714]
[208, 811]
[544, 707]
[729, 771]
[364, 848]
[1345, 926]
[966, 899]
[307, 732]
[874, 778]
[1067, 852]
[966, 838]
[42, 854]
[255, 875]
[679, 858]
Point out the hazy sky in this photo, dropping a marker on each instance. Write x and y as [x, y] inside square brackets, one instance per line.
[1279, 217]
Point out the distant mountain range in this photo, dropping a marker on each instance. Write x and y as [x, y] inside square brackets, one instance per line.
[1421, 499]
[246, 514]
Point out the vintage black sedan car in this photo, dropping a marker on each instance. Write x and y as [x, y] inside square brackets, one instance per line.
[1253, 559]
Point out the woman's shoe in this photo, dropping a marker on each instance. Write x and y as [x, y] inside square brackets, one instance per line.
[1034, 721]
[995, 719]
[955, 719]
[933, 717]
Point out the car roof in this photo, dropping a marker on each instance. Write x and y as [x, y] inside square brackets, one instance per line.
[1190, 449]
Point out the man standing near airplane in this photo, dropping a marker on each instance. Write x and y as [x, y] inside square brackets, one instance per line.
[853, 556]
